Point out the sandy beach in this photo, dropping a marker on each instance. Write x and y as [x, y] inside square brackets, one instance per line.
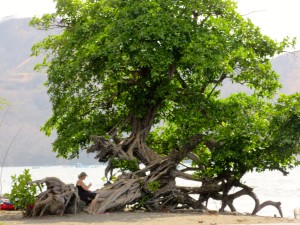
[15, 218]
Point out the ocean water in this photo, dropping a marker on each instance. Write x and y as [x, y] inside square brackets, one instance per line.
[267, 186]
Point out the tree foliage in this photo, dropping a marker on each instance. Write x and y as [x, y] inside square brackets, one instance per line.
[148, 75]
[22, 194]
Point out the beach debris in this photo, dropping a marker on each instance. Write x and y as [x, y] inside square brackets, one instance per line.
[58, 198]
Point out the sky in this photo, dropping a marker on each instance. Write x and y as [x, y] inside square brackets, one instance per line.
[276, 18]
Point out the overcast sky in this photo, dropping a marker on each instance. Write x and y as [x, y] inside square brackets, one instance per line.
[277, 18]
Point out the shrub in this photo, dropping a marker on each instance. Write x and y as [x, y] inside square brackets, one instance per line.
[153, 186]
[23, 195]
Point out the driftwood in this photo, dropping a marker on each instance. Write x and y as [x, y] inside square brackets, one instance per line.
[58, 198]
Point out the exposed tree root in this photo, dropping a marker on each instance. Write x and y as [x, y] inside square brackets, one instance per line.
[277, 205]
[58, 198]
[152, 188]
[136, 187]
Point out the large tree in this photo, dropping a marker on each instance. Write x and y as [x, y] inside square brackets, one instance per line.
[139, 82]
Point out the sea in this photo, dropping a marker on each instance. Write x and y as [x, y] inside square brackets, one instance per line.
[267, 185]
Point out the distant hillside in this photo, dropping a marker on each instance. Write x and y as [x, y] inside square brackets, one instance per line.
[30, 106]
[288, 67]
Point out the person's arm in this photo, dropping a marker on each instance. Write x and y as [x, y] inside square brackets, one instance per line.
[82, 184]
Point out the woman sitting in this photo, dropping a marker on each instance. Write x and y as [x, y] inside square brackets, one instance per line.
[83, 191]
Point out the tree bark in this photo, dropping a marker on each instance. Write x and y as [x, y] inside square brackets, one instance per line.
[57, 199]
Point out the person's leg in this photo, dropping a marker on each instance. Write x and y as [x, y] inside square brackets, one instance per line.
[98, 197]
[93, 205]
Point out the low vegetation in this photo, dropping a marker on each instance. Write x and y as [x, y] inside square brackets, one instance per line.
[23, 195]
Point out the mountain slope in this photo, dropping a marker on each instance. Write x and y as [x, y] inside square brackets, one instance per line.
[29, 103]
[288, 67]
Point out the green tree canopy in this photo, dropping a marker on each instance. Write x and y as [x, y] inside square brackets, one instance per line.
[120, 59]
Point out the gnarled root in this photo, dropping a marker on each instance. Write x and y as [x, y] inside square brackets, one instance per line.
[58, 199]
[228, 200]
[277, 205]
[118, 195]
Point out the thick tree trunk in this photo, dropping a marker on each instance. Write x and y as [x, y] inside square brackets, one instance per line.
[161, 172]
[136, 145]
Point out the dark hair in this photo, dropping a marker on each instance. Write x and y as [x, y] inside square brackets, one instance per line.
[82, 174]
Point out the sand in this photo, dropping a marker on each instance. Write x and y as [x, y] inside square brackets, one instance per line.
[13, 218]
